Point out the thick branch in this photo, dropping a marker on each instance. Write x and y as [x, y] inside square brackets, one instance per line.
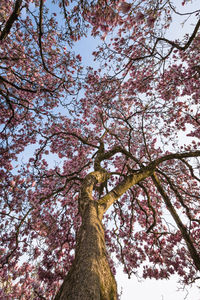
[175, 45]
[13, 17]
[40, 40]
[102, 155]
[176, 156]
[40, 36]
[129, 181]
[192, 250]
[106, 201]
[87, 188]
[3, 79]
[180, 198]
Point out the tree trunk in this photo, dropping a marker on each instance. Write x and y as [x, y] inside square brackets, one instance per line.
[90, 277]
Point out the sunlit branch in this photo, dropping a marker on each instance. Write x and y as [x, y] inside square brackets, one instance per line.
[130, 180]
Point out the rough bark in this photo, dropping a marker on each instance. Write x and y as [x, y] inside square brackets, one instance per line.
[90, 277]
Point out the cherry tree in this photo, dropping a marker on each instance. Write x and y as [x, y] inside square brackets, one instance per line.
[104, 175]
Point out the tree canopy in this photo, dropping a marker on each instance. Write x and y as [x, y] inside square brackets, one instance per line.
[113, 132]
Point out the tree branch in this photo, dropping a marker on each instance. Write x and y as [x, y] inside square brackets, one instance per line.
[175, 45]
[192, 250]
[106, 201]
[179, 197]
[13, 17]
